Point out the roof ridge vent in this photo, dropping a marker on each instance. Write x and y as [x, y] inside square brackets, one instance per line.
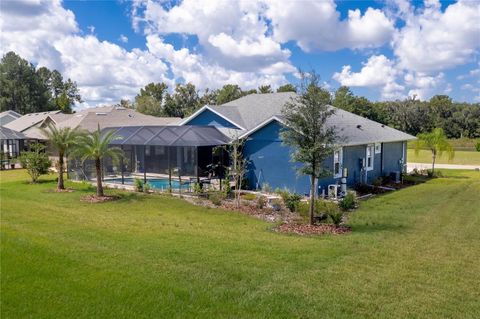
[359, 126]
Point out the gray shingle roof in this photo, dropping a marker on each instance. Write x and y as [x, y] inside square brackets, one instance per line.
[28, 120]
[252, 110]
[8, 116]
[8, 134]
[110, 116]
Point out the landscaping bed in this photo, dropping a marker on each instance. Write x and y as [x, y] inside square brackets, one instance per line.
[307, 229]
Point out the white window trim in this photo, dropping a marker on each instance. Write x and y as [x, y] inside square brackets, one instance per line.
[379, 146]
[372, 152]
[340, 161]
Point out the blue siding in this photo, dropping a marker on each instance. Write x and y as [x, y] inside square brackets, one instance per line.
[270, 161]
[207, 117]
[391, 157]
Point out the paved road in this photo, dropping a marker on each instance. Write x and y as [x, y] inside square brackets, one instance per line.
[411, 166]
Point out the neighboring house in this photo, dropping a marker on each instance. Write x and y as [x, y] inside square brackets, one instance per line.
[369, 149]
[29, 124]
[112, 116]
[8, 116]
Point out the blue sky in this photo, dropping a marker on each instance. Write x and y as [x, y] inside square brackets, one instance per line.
[381, 49]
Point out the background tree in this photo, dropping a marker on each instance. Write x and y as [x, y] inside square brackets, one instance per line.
[307, 133]
[265, 89]
[21, 89]
[62, 140]
[25, 89]
[227, 93]
[95, 146]
[35, 161]
[209, 97]
[183, 102]
[151, 98]
[287, 88]
[436, 141]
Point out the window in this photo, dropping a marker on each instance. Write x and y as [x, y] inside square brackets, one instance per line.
[369, 157]
[378, 148]
[337, 163]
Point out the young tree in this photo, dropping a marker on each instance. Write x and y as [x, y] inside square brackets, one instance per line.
[95, 146]
[62, 140]
[306, 131]
[238, 167]
[35, 161]
[436, 141]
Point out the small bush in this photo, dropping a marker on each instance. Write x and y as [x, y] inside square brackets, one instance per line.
[35, 161]
[138, 185]
[146, 188]
[291, 200]
[216, 198]
[266, 188]
[321, 207]
[477, 146]
[226, 189]
[261, 202]
[336, 217]
[276, 204]
[349, 201]
[197, 189]
[249, 196]
[378, 181]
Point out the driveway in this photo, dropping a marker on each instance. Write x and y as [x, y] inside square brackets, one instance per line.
[411, 166]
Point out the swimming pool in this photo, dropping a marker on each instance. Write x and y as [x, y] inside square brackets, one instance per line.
[158, 183]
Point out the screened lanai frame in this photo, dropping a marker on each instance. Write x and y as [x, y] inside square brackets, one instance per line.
[178, 154]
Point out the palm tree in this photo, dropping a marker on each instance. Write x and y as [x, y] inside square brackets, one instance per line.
[62, 140]
[436, 141]
[94, 146]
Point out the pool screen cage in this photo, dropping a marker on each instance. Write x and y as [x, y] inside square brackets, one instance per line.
[166, 157]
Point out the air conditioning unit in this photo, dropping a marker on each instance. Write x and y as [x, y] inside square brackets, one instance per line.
[333, 191]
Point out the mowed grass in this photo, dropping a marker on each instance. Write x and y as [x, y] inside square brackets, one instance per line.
[413, 253]
[461, 157]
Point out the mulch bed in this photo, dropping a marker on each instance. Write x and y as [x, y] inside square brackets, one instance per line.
[98, 199]
[66, 190]
[307, 229]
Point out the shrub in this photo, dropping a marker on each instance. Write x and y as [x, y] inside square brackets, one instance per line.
[321, 207]
[226, 189]
[146, 188]
[35, 161]
[266, 188]
[249, 196]
[138, 185]
[477, 146]
[197, 189]
[378, 181]
[336, 217]
[291, 200]
[276, 205]
[349, 201]
[261, 202]
[216, 198]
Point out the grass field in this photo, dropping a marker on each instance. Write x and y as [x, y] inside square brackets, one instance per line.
[461, 157]
[413, 253]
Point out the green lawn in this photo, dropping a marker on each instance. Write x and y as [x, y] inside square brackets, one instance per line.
[414, 253]
[461, 157]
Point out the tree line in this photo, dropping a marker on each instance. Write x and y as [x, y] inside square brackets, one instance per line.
[24, 88]
[155, 99]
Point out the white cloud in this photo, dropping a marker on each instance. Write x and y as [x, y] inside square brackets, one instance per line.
[317, 26]
[432, 40]
[123, 38]
[377, 72]
[30, 27]
[424, 86]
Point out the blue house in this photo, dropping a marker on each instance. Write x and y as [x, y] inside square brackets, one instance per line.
[369, 149]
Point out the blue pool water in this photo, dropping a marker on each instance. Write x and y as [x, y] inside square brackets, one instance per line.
[159, 183]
